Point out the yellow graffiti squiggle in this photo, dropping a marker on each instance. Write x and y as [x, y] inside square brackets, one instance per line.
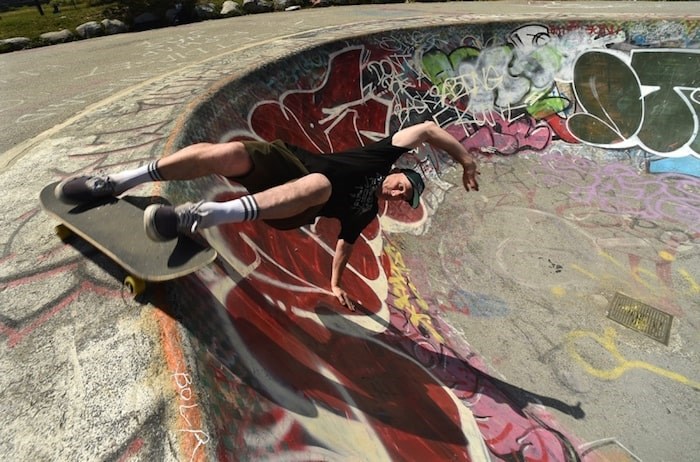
[607, 341]
[694, 286]
[404, 292]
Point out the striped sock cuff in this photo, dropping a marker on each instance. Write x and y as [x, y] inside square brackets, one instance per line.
[154, 172]
[251, 208]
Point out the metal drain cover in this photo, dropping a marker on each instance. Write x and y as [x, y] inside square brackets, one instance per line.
[640, 317]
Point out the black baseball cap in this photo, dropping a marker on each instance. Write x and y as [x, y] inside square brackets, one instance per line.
[418, 186]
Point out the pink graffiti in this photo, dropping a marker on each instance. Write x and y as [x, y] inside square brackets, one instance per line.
[509, 433]
[501, 136]
[619, 189]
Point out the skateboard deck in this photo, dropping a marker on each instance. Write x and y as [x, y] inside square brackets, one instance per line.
[115, 227]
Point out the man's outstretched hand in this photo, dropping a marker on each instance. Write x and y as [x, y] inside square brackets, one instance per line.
[469, 176]
[343, 297]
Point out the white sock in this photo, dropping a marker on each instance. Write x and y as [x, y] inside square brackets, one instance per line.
[235, 211]
[130, 178]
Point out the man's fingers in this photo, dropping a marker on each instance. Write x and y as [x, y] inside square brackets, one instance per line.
[348, 303]
[469, 179]
[344, 300]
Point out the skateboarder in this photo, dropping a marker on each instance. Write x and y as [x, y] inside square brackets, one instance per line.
[289, 187]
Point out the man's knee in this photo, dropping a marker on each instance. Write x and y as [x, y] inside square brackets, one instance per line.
[316, 187]
[231, 159]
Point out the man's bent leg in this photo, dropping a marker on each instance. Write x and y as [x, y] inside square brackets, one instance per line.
[191, 162]
[290, 199]
[197, 160]
[283, 201]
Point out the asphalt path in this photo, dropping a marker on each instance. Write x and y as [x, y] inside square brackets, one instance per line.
[42, 88]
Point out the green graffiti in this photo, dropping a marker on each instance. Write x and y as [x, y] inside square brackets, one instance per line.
[437, 66]
[441, 69]
[463, 54]
[546, 107]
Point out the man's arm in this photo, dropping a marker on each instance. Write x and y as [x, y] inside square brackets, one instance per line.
[343, 250]
[429, 132]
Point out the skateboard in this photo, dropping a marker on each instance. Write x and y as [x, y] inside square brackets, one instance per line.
[115, 227]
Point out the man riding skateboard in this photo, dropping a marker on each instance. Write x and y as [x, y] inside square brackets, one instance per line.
[289, 187]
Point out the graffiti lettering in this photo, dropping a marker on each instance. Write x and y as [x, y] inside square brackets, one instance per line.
[650, 100]
[183, 382]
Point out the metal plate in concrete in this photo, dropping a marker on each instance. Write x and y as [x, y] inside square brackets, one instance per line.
[640, 317]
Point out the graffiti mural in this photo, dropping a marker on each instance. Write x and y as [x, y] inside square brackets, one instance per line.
[649, 98]
[575, 85]
[292, 365]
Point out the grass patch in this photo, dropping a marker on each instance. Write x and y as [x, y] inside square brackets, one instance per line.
[27, 22]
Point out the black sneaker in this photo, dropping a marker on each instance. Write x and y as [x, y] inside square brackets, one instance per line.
[83, 189]
[165, 222]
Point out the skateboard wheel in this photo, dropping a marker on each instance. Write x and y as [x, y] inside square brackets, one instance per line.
[135, 285]
[62, 232]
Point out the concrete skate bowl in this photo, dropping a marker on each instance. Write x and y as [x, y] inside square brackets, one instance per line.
[282, 371]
